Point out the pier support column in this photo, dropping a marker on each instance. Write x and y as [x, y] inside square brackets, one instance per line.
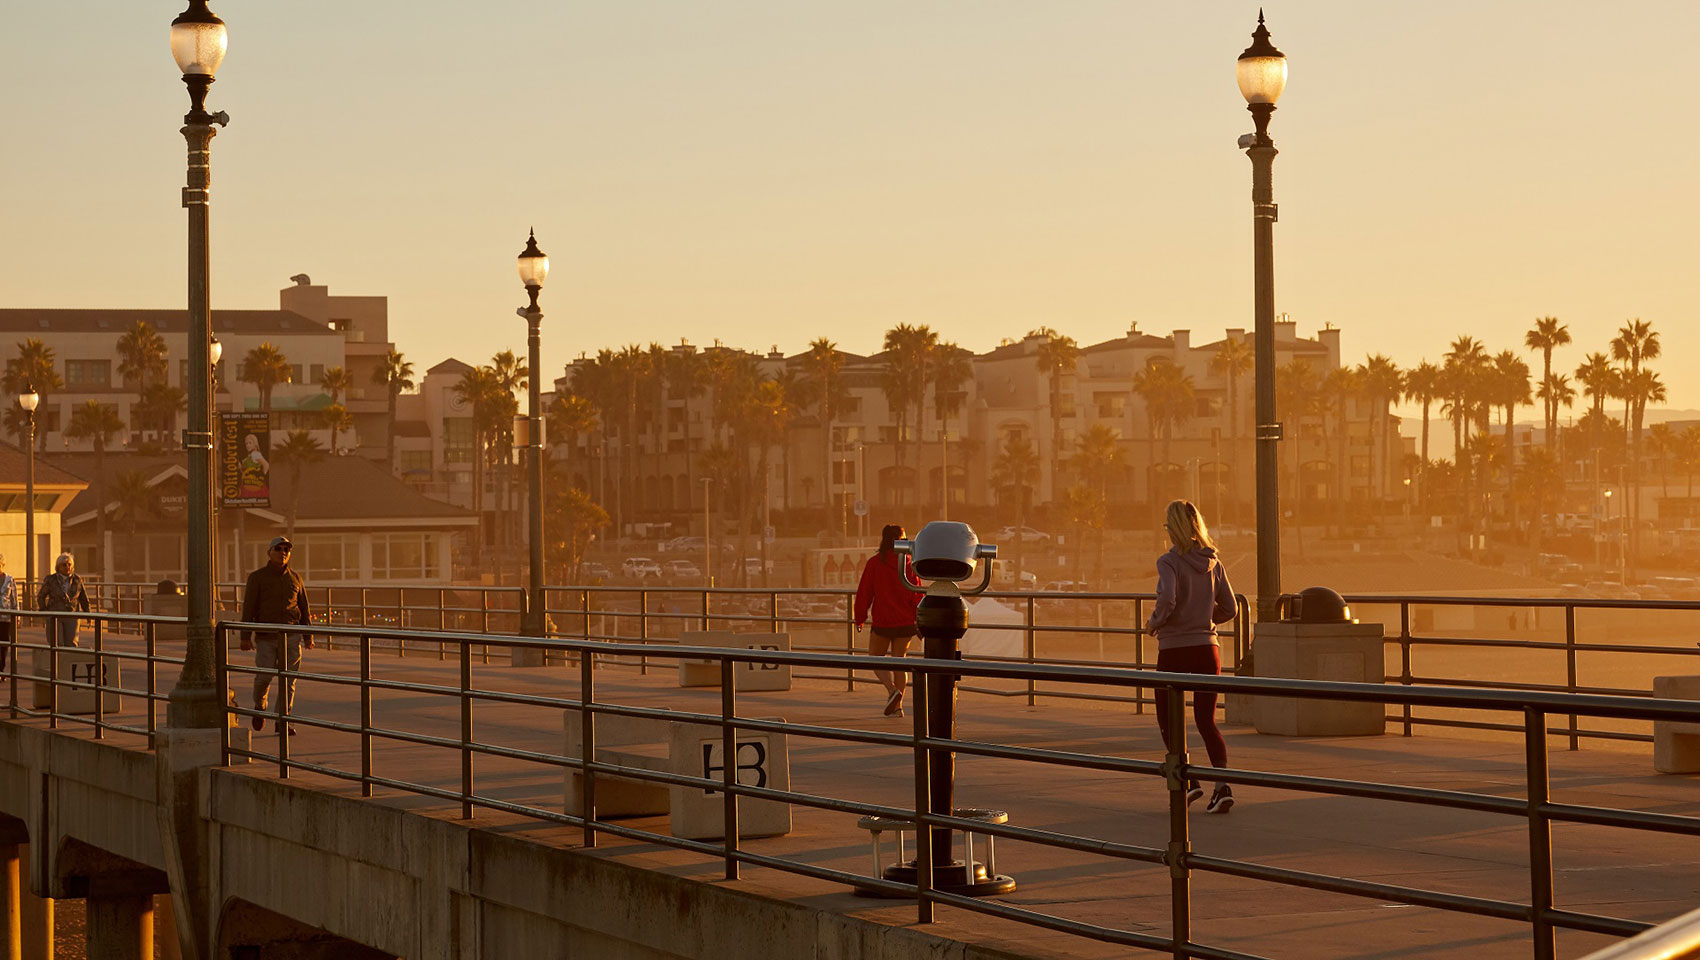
[11, 908]
[35, 918]
[120, 921]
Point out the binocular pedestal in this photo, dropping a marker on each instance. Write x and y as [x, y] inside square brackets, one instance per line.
[941, 620]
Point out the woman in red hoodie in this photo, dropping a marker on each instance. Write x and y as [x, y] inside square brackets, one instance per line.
[881, 588]
[1193, 595]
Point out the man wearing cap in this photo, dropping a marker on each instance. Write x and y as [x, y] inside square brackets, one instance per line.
[275, 594]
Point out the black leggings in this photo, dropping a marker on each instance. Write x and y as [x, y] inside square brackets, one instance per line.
[1207, 659]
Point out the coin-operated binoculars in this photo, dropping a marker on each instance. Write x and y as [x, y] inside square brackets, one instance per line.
[945, 554]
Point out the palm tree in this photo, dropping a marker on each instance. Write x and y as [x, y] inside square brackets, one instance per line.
[1688, 454]
[33, 367]
[265, 367]
[142, 356]
[1096, 460]
[298, 449]
[511, 375]
[912, 353]
[478, 390]
[335, 381]
[953, 370]
[1383, 383]
[1424, 383]
[1547, 335]
[160, 403]
[1339, 387]
[1015, 471]
[1599, 381]
[1233, 359]
[1635, 343]
[573, 519]
[1541, 486]
[1511, 390]
[132, 499]
[1663, 446]
[336, 419]
[1297, 395]
[684, 370]
[823, 367]
[395, 375]
[1056, 359]
[1170, 401]
[96, 422]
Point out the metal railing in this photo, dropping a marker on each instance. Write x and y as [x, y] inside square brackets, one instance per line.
[1536, 808]
[1677, 940]
[55, 677]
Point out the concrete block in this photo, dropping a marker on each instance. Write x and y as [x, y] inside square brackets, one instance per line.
[76, 666]
[750, 676]
[1342, 652]
[620, 740]
[167, 605]
[1676, 745]
[761, 760]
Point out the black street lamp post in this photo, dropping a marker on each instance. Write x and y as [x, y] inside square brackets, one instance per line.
[28, 401]
[198, 41]
[533, 269]
[1262, 74]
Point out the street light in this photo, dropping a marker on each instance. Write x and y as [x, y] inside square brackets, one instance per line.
[29, 400]
[198, 42]
[1262, 75]
[533, 270]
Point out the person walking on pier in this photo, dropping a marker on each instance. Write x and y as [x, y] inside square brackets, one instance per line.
[893, 606]
[1193, 595]
[62, 590]
[8, 601]
[275, 594]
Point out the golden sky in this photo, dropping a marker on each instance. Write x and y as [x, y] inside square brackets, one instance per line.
[769, 171]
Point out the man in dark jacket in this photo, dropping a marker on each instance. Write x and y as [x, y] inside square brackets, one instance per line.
[275, 594]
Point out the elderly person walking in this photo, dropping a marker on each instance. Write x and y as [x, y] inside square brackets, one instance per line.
[275, 594]
[8, 601]
[62, 590]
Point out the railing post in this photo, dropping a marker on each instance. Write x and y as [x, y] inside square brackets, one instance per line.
[923, 802]
[52, 672]
[365, 715]
[705, 609]
[643, 629]
[584, 613]
[1180, 842]
[587, 728]
[221, 677]
[773, 612]
[12, 665]
[1032, 645]
[1139, 652]
[99, 680]
[729, 764]
[1570, 662]
[1540, 833]
[466, 784]
[330, 618]
[283, 712]
[850, 642]
[1405, 656]
[150, 650]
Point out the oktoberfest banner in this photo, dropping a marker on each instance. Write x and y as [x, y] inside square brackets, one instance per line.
[244, 461]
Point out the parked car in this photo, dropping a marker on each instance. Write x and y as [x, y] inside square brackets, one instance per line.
[683, 570]
[592, 571]
[640, 567]
[1028, 535]
[1066, 586]
[753, 567]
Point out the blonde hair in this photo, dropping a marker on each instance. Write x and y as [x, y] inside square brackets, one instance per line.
[1186, 527]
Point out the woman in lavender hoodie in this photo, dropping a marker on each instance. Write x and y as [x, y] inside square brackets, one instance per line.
[1193, 596]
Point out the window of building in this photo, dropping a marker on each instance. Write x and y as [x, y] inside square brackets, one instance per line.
[327, 556]
[1360, 466]
[88, 374]
[458, 439]
[295, 373]
[849, 407]
[316, 373]
[1110, 405]
[414, 461]
[1208, 407]
[405, 556]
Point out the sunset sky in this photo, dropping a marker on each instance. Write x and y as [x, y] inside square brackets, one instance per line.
[769, 171]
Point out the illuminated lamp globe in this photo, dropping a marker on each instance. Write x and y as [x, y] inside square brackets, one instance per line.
[198, 40]
[29, 399]
[533, 264]
[1262, 69]
[215, 350]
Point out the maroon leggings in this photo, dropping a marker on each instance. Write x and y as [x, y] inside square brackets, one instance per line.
[1204, 658]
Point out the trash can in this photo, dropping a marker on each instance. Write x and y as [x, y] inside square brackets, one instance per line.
[1318, 640]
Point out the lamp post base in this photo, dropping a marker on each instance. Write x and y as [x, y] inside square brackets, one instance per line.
[194, 708]
[963, 879]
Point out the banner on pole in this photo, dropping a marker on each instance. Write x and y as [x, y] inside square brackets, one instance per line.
[244, 461]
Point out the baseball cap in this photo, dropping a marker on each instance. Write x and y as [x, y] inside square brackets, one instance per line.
[279, 542]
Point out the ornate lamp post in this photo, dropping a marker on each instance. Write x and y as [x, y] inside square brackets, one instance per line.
[533, 269]
[198, 42]
[28, 401]
[1262, 74]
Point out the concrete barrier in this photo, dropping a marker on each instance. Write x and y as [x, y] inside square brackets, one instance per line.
[76, 666]
[750, 676]
[690, 749]
[1676, 746]
[1344, 652]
